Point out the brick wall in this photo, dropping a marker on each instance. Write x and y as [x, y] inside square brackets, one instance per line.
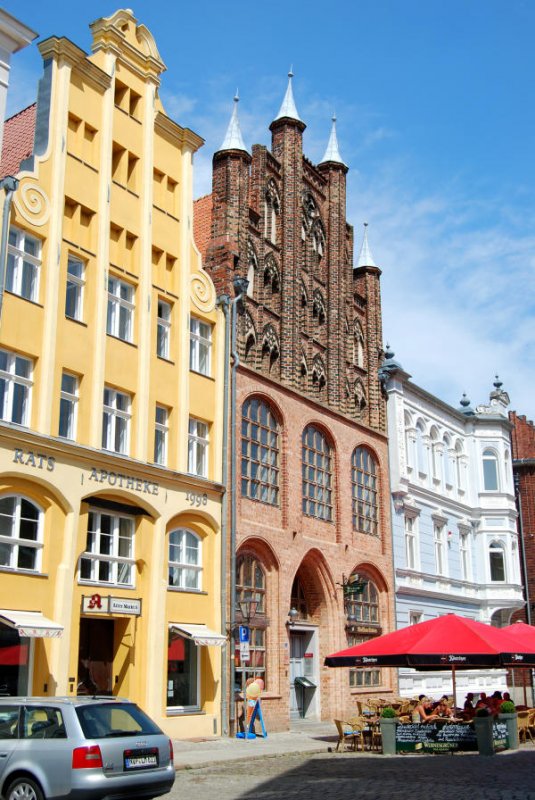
[523, 450]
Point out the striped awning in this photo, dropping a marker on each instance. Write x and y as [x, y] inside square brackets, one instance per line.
[30, 623]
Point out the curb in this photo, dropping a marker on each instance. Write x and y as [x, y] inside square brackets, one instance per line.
[182, 766]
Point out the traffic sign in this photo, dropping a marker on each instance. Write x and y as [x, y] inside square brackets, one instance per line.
[245, 633]
[245, 652]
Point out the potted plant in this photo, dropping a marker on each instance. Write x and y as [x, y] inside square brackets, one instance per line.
[509, 716]
[483, 724]
[388, 723]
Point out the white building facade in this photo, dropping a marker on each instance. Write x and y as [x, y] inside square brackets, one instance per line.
[453, 517]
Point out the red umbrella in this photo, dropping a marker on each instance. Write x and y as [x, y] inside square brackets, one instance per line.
[524, 638]
[448, 641]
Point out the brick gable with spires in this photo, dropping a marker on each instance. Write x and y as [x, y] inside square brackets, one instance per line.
[280, 220]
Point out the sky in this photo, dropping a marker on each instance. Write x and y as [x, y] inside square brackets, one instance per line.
[435, 115]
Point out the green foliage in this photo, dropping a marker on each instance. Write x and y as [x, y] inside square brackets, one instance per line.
[388, 713]
[507, 707]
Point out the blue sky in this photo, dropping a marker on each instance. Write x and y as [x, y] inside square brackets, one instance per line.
[436, 119]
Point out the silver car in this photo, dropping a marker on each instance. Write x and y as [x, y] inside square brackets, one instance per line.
[81, 748]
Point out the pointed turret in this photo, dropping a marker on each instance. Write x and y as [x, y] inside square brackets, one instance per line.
[288, 109]
[365, 255]
[233, 139]
[332, 153]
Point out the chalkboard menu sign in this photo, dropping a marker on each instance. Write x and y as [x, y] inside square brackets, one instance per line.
[444, 737]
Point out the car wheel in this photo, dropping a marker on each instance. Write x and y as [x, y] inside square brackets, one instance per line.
[24, 789]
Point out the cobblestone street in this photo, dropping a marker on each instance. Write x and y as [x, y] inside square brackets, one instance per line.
[509, 776]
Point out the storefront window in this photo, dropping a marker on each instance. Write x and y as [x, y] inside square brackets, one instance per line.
[363, 611]
[14, 663]
[182, 673]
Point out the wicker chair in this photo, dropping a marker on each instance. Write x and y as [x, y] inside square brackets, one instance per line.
[524, 730]
[347, 733]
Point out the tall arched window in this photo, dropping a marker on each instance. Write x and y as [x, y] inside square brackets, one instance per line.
[421, 450]
[316, 474]
[185, 560]
[251, 585]
[364, 491]
[21, 533]
[490, 471]
[363, 613]
[260, 452]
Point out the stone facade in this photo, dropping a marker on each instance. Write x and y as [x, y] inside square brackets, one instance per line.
[309, 405]
[453, 518]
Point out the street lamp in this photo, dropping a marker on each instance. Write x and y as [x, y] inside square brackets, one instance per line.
[247, 609]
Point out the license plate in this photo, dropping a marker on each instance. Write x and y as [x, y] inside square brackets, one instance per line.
[140, 760]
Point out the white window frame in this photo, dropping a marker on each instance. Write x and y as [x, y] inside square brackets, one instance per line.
[161, 434]
[198, 443]
[200, 346]
[163, 328]
[182, 565]
[15, 541]
[120, 316]
[19, 263]
[12, 380]
[464, 555]
[489, 456]
[495, 547]
[440, 548]
[76, 284]
[111, 416]
[415, 617]
[70, 399]
[121, 567]
[411, 541]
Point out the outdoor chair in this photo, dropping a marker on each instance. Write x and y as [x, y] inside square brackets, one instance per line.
[346, 733]
[523, 720]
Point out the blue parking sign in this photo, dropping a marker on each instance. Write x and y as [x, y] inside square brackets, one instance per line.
[244, 633]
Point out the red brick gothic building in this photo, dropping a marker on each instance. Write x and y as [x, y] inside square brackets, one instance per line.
[312, 469]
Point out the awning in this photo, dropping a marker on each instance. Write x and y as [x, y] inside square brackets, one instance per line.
[30, 623]
[200, 634]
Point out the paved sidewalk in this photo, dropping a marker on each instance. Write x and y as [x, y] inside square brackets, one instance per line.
[304, 738]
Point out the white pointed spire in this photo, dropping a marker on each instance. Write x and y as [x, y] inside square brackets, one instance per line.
[332, 153]
[288, 108]
[233, 139]
[365, 255]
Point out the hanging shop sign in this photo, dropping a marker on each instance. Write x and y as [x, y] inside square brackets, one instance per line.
[106, 604]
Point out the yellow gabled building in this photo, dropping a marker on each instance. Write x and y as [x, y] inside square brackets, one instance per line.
[111, 395]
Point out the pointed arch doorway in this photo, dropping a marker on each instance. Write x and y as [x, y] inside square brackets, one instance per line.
[304, 658]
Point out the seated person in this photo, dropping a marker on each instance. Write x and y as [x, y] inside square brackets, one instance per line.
[468, 708]
[424, 709]
[495, 702]
[442, 709]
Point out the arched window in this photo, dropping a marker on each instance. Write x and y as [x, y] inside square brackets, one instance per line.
[362, 611]
[185, 560]
[364, 491]
[260, 452]
[358, 345]
[490, 471]
[271, 211]
[298, 600]
[21, 533]
[252, 268]
[446, 461]
[251, 585]
[316, 474]
[496, 562]
[421, 451]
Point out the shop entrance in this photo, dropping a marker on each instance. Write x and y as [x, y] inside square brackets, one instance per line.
[303, 679]
[95, 656]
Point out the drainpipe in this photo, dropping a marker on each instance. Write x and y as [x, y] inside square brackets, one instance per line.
[224, 301]
[235, 307]
[9, 184]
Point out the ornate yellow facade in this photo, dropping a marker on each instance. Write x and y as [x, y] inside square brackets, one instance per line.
[111, 384]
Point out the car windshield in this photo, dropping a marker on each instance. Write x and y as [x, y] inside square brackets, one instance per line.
[103, 720]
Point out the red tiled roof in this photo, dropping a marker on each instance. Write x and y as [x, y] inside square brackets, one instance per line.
[202, 223]
[19, 133]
